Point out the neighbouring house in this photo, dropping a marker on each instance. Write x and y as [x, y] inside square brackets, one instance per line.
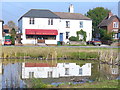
[45, 70]
[6, 30]
[1, 31]
[111, 23]
[45, 26]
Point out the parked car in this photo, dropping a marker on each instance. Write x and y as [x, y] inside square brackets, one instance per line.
[107, 42]
[7, 40]
[94, 41]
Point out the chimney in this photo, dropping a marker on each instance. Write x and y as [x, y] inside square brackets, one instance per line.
[110, 14]
[71, 9]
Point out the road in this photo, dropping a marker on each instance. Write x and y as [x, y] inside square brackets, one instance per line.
[102, 46]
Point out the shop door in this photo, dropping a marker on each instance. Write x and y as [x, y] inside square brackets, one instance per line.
[61, 36]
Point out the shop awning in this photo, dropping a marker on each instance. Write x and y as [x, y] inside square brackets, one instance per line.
[41, 32]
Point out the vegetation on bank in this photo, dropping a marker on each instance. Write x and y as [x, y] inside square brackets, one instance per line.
[57, 52]
[37, 83]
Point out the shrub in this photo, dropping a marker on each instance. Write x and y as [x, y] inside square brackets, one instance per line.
[73, 38]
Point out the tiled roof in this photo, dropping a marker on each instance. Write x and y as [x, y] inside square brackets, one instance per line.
[107, 21]
[38, 65]
[1, 20]
[67, 15]
[40, 13]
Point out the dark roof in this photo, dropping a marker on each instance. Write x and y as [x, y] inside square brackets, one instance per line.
[106, 21]
[67, 15]
[1, 20]
[40, 13]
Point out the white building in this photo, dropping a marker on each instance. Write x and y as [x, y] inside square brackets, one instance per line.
[1, 28]
[45, 70]
[39, 24]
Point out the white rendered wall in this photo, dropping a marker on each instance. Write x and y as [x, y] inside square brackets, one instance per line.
[0, 32]
[58, 24]
[58, 71]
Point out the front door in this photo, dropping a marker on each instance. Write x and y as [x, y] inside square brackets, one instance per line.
[61, 36]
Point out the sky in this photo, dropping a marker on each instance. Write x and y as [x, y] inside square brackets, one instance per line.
[12, 10]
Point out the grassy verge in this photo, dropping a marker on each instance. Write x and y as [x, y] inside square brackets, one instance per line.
[37, 83]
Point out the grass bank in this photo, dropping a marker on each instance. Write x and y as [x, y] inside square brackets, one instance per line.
[37, 83]
[58, 52]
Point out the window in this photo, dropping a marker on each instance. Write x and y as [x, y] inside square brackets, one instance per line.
[50, 74]
[67, 35]
[31, 74]
[81, 24]
[67, 24]
[66, 71]
[80, 71]
[115, 24]
[50, 21]
[32, 21]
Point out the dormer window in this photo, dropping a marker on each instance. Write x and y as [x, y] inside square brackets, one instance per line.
[115, 24]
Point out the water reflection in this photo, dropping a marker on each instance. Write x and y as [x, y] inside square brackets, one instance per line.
[15, 75]
[11, 76]
[0, 75]
[45, 70]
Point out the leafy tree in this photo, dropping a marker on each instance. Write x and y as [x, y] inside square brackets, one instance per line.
[13, 34]
[97, 15]
[104, 35]
[11, 24]
[81, 32]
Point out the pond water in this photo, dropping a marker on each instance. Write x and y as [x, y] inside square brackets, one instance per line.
[19, 74]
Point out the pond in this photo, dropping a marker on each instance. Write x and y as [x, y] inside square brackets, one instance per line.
[21, 74]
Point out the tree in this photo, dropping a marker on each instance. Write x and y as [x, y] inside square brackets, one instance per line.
[13, 35]
[11, 24]
[105, 36]
[97, 15]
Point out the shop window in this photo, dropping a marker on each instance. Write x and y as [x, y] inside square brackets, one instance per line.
[32, 21]
[67, 24]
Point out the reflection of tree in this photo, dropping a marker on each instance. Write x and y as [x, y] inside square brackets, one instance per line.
[95, 71]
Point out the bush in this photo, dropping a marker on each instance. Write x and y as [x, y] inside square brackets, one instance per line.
[73, 38]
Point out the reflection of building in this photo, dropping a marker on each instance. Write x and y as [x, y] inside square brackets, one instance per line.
[0, 75]
[1, 29]
[45, 70]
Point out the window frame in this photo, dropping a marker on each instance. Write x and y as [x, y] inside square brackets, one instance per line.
[115, 24]
[67, 24]
[81, 24]
[32, 21]
[50, 21]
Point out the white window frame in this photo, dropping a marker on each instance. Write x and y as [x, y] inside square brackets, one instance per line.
[81, 24]
[32, 21]
[50, 21]
[67, 24]
[66, 71]
[67, 35]
[80, 71]
[115, 24]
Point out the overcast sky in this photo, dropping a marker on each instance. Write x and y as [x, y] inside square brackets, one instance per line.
[13, 10]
